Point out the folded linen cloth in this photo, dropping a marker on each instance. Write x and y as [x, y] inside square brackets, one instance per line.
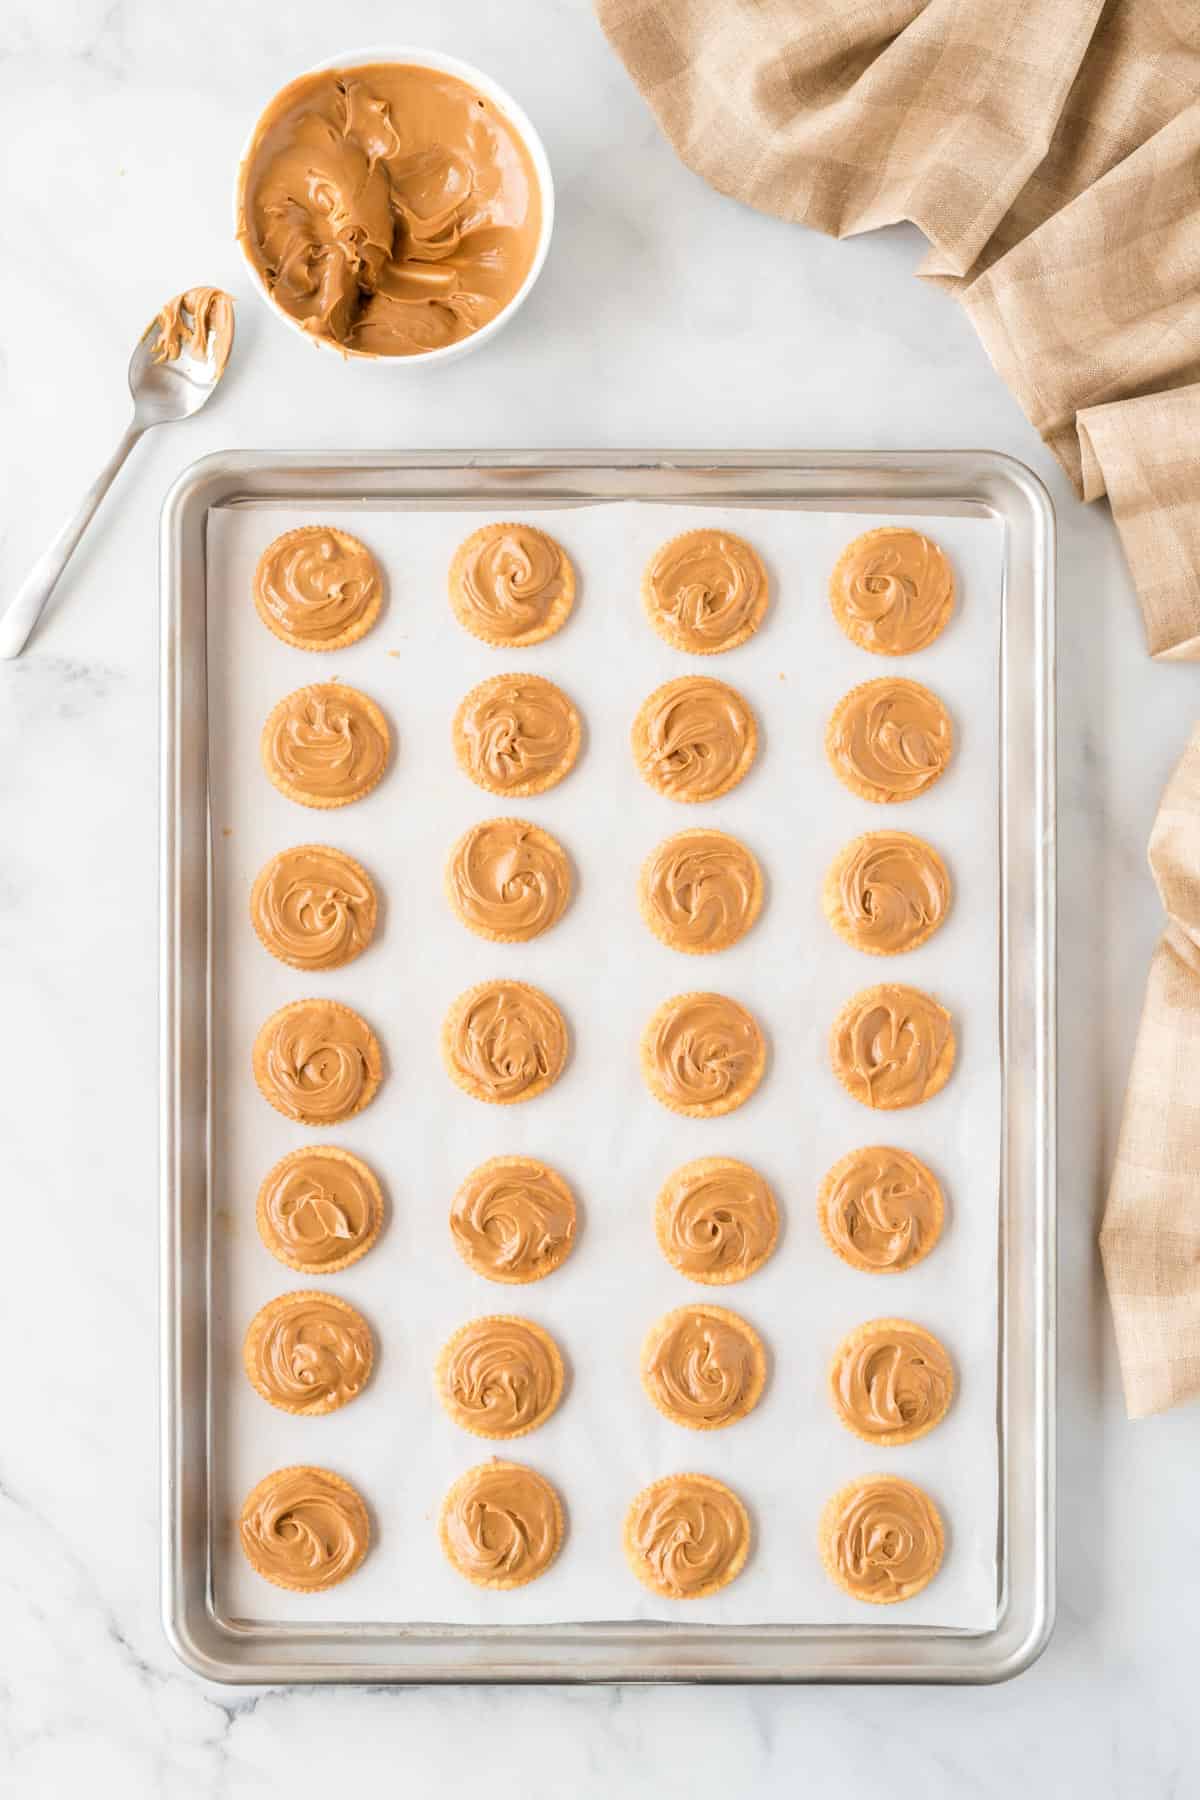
[1150, 1239]
[1047, 149]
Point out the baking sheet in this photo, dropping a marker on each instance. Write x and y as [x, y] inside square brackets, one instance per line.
[613, 1142]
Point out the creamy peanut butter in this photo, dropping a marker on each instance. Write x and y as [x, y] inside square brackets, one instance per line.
[892, 590]
[500, 1377]
[703, 1054]
[501, 1525]
[508, 880]
[317, 1062]
[892, 1046]
[511, 585]
[304, 1528]
[694, 738]
[308, 1353]
[390, 209]
[891, 1381]
[513, 1219]
[504, 1041]
[889, 740]
[882, 1539]
[881, 1209]
[318, 588]
[516, 734]
[701, 891]
[319, 1210]
[687, 1536]
[200, 320]
[887, 892]
[716, 1220]
[703, 1367]
[325, 745]
[313, 907]
[705, 591]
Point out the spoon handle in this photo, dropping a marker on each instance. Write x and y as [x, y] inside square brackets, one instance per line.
[25, 608]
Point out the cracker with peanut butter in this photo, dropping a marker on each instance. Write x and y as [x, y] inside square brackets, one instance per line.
[892, 590]
[890, 1382]
[700, 891]
[318, 588]
[308, 1353]
[499, 1377]
[889, 740]
[705, 591]
[504, 1042]
[501, 1525]
[704, 1367]
[511, 585]
[703, 1055]
[686, 1536]
[326, 745]
[694, 738]
[881, 1539]
[886, 892]
[516, 735]
[892, 1046]
[508, 880]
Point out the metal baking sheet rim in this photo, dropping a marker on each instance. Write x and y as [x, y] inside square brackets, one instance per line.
[904, 482]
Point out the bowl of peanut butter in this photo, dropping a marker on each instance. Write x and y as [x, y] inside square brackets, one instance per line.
[394, 206]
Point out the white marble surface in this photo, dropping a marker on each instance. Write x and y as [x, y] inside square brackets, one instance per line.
[666, 315]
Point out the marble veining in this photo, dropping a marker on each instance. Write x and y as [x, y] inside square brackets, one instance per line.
[638, 334]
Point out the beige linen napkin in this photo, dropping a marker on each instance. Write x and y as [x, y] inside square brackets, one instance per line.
[1048, 150]
[1150, 1239]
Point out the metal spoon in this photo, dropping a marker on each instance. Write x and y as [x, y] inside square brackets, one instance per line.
[178, 361]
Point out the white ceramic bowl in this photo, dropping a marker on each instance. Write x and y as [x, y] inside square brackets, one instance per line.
[443, 65]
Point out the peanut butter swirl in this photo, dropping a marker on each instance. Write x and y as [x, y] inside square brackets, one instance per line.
[703, 1054]
[511, 585]
[317, 587]
[308, 1353]
[889, 740]
[882, 1539]
[703, 1367]
[892, 590]
[687, 1536]
[892, 1046]
[508, 880]
[305, 1529]
[694, 738]
[716, 1220]
[500, 1377]
[389, 209]
[881, 1209]
[325, 745]
[313, 907]
[504, 1041]
[887, 892]
[199, 320]
[516, 734]
[513, 1219]
[317, 1062]
[890, 1381]
[501, 1525]
[701, 891]
[705, 591]
[319, 1209]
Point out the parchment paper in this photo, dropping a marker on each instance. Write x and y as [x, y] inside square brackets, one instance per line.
[599, 1126]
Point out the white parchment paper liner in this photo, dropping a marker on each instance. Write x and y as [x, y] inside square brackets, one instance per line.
[599, 1126]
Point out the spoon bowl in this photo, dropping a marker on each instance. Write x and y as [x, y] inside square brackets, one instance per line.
[181, 356]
